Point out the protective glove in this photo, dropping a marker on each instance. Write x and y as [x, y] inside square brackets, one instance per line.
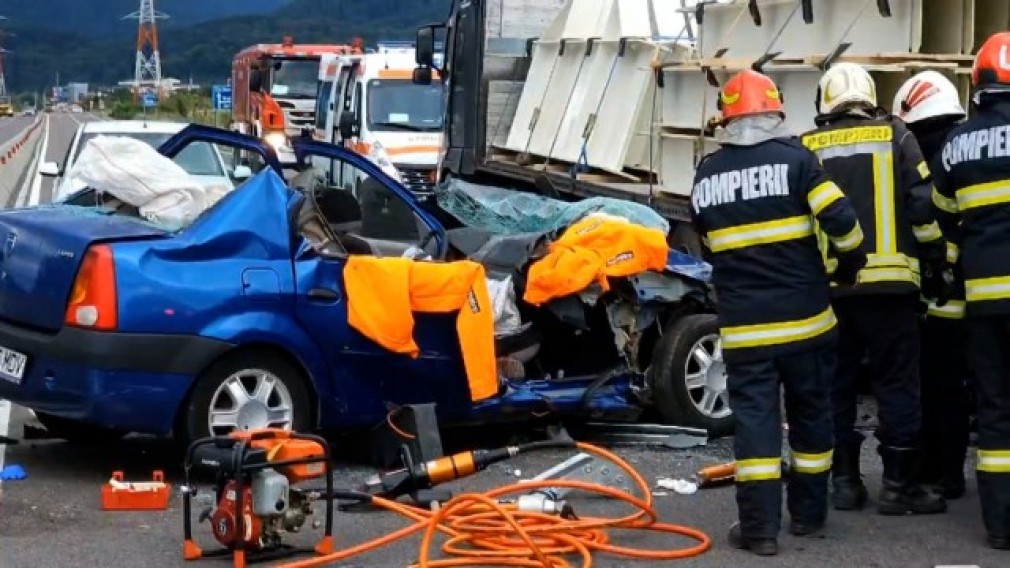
[849, 265]
[938, 282]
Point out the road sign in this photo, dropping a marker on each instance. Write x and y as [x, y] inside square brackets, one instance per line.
[220, 96]
[149, 99]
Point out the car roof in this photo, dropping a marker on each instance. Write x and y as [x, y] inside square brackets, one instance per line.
[131, 127]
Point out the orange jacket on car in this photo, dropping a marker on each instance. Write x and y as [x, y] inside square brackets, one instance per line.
[383, 293]
[592, 250]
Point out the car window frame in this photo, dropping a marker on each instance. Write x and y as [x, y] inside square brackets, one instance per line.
[305, 150]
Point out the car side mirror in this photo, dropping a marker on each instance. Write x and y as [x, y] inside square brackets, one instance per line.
[349, 127]
[422, 76]
[425, 47]
[255, 80]
[241, 173]
[49, 169]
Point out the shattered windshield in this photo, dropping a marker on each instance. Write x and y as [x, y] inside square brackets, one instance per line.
[399, 104]
[294, 78]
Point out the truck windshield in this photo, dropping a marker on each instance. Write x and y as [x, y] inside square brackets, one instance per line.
[399, 104]
[294, 78]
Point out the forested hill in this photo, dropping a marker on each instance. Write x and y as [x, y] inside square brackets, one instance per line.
[99, 52]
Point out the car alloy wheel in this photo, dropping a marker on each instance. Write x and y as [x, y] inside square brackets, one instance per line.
[250, 399]
[705, 377]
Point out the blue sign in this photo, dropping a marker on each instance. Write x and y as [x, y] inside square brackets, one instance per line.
[149, 100]
[220, 96]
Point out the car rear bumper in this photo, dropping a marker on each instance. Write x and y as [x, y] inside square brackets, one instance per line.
[133, 382]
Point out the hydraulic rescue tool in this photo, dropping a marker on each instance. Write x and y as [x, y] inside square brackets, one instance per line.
[256, 501]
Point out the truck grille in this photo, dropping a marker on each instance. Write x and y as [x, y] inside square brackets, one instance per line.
[417, 179]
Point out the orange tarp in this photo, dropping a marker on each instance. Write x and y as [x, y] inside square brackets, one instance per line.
[383, 293]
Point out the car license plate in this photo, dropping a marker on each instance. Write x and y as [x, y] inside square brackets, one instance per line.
[12, 365]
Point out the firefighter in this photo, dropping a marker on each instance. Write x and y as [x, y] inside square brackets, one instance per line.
[930, 105]
[754, 204]
[972, 194]
[877, 163]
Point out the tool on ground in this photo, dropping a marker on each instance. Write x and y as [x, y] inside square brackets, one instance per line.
[256, 500]
[724, 474]
[526, 531]
[120, 495]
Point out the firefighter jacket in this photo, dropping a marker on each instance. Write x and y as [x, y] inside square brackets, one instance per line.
[879, 166]
[755, 207]
[931, 134]
[594, 249]
[972, 197]
[382, 293]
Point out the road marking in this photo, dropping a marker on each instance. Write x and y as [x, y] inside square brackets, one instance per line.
[36, 191]
[5, 416]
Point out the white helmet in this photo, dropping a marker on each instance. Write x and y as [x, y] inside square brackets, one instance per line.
[844, 84]
[927, 95]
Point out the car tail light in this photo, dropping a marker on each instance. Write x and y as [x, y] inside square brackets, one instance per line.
[92, 302]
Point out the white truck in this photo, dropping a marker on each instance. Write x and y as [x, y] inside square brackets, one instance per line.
[612, 98]
[370, 102]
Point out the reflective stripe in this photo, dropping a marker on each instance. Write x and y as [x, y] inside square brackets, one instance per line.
[850, 150]
[923, 168]
[927, 233]
[758, 469]
[883, 202]
[887, 274]
[994, 461]
[766, 334]
[812, 463]
[823, 195]
[953, 309]
[847, 137]
[983, 194]
[705, 241]
[982, 289]
[953, 252]
[849, 241]
[753, 234]
[944, 203]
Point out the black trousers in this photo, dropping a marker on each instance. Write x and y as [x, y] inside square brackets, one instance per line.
[884, 328]
[755, 394]
[946, 406]
[989, 357]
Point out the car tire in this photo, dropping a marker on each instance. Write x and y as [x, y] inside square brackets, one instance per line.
[217, 387]
[677, 360]
[76, 431]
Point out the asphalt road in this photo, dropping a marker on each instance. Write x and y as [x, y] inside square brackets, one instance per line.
[53, 518]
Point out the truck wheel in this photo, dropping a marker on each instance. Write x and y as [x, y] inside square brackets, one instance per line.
[247, 391]
[77, 432]
[688, 376]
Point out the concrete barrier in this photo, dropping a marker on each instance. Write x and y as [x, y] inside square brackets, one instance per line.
[16, 155]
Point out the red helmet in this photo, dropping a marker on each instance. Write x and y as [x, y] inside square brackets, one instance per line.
[749, 93]
[992, 63]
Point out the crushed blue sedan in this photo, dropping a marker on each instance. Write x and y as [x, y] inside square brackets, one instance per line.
[111, 324]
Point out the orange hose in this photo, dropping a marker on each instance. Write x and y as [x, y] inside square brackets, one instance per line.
[483, 532]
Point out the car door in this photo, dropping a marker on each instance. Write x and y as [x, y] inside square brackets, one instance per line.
[371, 375]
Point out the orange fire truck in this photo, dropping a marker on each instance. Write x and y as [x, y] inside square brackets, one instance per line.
[274, 88]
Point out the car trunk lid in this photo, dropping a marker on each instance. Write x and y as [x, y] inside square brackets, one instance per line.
[41, 250]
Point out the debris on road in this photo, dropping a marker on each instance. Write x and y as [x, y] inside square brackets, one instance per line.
[675, 437]
[13, 473]
[119, 495]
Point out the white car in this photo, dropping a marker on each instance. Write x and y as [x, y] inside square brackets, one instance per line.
[202, 160]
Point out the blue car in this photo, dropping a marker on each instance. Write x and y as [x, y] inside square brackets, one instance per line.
[110, 324]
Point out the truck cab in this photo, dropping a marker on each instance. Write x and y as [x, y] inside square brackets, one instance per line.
[370, 102]
[6, 106]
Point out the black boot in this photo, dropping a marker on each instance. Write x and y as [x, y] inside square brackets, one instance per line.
[900, 494]
[759, 546]
[847, 490]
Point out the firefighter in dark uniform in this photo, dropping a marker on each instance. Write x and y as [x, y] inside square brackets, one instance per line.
[972, 183]
[755, 202]
[930, 105]
[877, 163]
